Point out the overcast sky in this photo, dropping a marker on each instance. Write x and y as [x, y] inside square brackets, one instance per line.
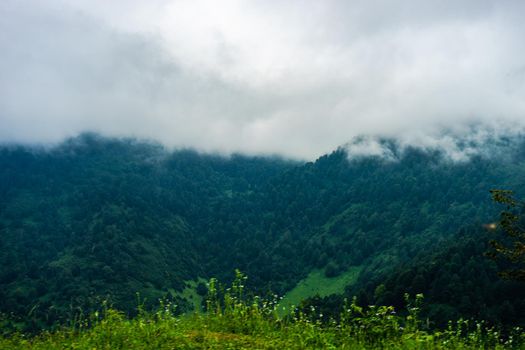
[296, 78]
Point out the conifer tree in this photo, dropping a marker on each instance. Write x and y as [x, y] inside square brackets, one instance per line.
[512, 248]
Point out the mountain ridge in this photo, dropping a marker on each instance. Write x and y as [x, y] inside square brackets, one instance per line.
[98, 217]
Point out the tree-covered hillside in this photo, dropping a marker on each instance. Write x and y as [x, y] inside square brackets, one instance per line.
[96, 218]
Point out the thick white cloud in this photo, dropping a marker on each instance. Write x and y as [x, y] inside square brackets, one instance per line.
[297, 78]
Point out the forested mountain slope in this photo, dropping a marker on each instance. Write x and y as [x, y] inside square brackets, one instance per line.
[98, 218]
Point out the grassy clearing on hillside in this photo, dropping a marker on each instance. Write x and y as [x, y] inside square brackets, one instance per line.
[316, 283]
[190, 293]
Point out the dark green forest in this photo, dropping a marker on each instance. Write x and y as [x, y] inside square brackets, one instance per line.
[97, 218]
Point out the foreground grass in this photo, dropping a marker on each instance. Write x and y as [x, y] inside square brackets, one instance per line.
[234, 321]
